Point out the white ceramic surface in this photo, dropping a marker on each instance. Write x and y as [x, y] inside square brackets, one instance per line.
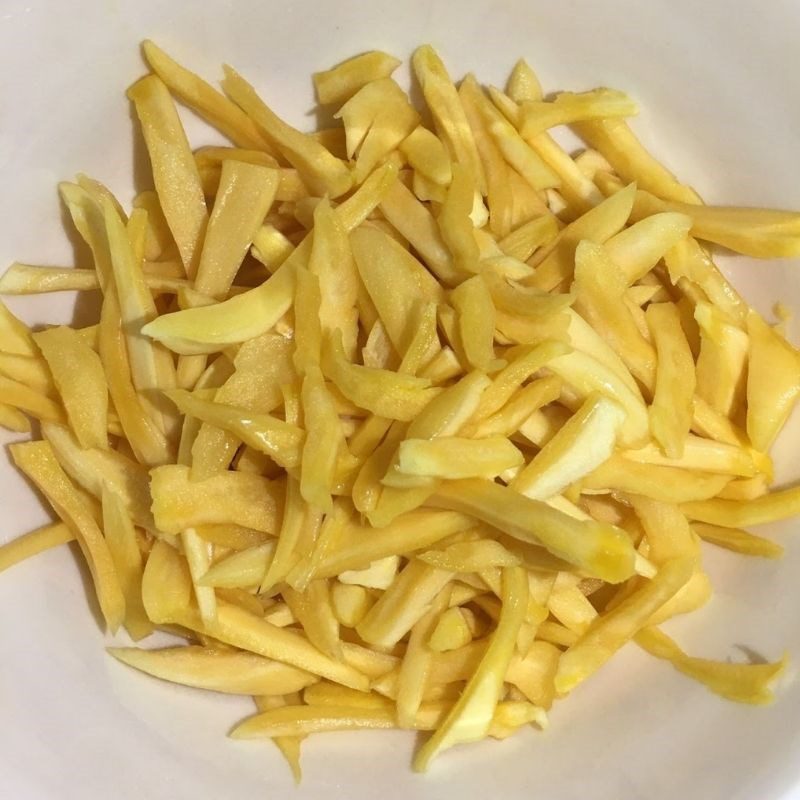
[718, 86]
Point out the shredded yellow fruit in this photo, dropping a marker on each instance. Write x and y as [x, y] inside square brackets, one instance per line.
[402, 425]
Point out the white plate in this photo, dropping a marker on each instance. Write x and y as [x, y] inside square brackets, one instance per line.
[718, 89]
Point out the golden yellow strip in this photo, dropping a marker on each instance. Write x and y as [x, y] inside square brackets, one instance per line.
[340, 83]
[403, 604]
[323, 442]
[451, 122]
[771, 507]
[217, 670]
[617, 142]
[614, 628]
[13, 420]
[671, 409]
[415, 668]
[303, 720]
[174, 170]
[395, 281]
[515, 149]
[15, 336]
[145, 438]
[227, 498]
[33, 372]
[33, 543]
[332, 262]
[246, 192]
[417, 225]
[96, 469]
[246, 631]
[31, 279]
[742, 683]
[28, 279]
[37, 405]
[321, 171]
[599, 548]
[597, 225]
[260, 367]
[406, 534]
[213, 106]
[122, 543]
[37, 461]
[471, 716]
[78, 373]
[773, 382]
[278, 439]
[738, 541]
[667, 484]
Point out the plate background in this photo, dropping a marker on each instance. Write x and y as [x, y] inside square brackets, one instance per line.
[718, 91]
